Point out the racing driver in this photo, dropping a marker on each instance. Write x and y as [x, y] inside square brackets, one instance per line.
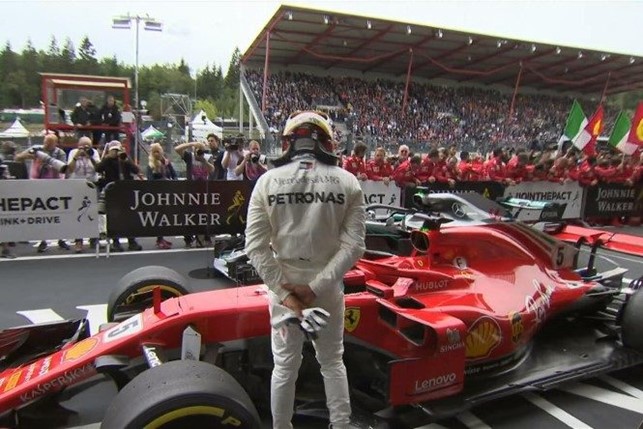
[305, 231]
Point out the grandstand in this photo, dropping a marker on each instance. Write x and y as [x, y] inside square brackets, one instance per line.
[390, 82]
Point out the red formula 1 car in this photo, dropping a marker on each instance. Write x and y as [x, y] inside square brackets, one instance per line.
[474, 314]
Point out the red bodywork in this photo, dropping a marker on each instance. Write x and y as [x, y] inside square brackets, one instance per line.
[624, 243]
[473, 302]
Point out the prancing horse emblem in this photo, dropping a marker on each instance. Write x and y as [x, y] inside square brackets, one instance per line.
[351, 318]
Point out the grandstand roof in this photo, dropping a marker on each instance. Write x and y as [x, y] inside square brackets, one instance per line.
[328, 40]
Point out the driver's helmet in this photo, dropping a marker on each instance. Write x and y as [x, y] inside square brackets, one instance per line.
[308, 130]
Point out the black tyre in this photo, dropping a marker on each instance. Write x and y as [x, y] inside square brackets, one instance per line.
[133, 293]
[182, 394]
[632, 322]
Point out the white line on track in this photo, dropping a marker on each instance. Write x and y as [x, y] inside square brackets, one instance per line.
[551, 409]
[605, 396]
[101, 255]
[471, 421]
[615, 382]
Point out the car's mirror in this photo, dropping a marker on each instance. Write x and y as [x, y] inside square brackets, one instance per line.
[420, 241]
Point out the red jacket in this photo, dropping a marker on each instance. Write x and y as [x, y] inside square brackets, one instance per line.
[355, 165]
[517, 172]
[426, 170]
[378, 171]
[405, 173]
[584, 174]
[496, 170]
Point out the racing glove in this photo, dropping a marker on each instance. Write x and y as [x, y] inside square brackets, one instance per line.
[314, 320]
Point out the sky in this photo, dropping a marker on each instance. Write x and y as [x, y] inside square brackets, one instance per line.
[206, 32]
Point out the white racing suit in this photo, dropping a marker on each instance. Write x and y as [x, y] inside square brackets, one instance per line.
[313, 216]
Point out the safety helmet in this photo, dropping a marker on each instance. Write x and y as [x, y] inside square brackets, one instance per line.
[309, 130]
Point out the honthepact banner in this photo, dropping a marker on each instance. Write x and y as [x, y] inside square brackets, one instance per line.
[570, 194]
[47, 209]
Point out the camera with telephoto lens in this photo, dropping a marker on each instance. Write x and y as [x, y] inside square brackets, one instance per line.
[88, 150]
[233, 143]
[200, 152]
[35, 149]
[255, 158]
[122, 156]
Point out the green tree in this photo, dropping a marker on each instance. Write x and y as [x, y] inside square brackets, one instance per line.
[183, 68]
[208, 107]
[31, 64]
[68, 56]
[8, 66]
[232, 77]
[87, 62]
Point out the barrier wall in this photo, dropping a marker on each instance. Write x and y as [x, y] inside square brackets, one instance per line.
[52, 209]
[47, 209]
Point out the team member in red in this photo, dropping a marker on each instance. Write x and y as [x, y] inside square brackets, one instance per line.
[406, 173]
[464, 167]
[558, 171]
[517, 167]
[477, 169]
[448, 173]
[428, 167]
[355, 164]
[379, 168]
[496, 169]
[604, 170]
[584, 174]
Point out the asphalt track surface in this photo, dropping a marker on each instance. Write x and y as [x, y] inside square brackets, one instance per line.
[61, 284]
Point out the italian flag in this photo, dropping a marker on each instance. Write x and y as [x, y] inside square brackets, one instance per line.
[620, 135]
[586, 139]
[576, 121]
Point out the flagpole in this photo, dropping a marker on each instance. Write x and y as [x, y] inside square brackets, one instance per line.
[609, 75]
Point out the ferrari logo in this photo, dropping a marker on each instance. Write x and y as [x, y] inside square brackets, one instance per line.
[351, 318]
[80, 349]
[639, 130]
[597, 128]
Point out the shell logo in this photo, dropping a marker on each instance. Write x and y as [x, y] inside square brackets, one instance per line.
[484, 335]
[80, 349]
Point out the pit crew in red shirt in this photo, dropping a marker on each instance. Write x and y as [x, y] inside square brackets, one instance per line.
[406, 173]
[379, 168]
[496, 169]
[355, 164]
[429, 166]
[517, 167]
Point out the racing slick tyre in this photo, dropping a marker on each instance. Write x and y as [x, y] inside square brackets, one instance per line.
[632, 322]
[133, 293]
[182, 394]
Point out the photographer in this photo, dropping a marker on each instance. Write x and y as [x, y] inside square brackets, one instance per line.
[197, 167]
[160, 168]
[216, 156]
[47, 162]
[232, 157]
[81, 162]
[253, 163]
[116, 166]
